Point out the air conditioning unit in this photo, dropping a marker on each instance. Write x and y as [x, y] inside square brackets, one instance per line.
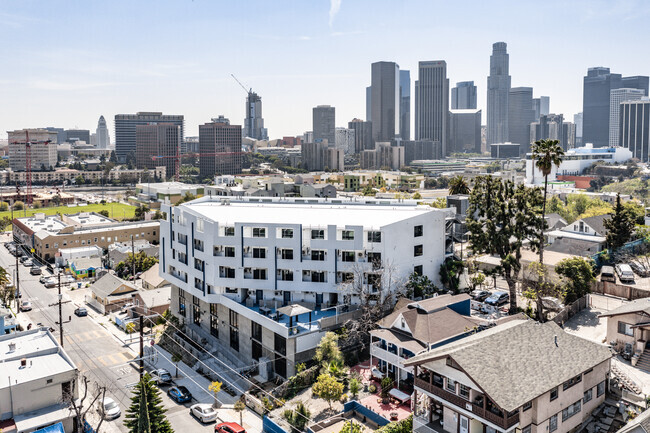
[278, 293]
[360, 254]
[247, 249]
[306, 251]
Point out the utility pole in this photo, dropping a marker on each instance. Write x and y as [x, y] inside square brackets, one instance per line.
[60, 302]
[17, 281]
[141, 346]
[133, 257]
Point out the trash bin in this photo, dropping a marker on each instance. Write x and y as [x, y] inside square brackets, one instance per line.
[78, 285]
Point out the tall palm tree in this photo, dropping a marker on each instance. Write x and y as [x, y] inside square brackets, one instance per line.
[458, 185]
[546, 154]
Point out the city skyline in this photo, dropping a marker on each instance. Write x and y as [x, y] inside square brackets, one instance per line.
[117, 66]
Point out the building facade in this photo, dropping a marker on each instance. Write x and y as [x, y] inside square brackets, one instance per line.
[550, 127]
[520, 115]
[125, 125]
[324, 123]
[463, 96]
[541, 106]
[385, 101]
[254, 122]
[362, 134]
[505, 150]
[319, 156]
[464, 131]
[103, 137]
[384, 156]
[42, 149]
[415, 150]
[635, 128]
[345, 140]
[405, 104]
[432, 105]
[220, 145]
[158, 145]
[230, 279]
[577, 121]
[498, 93]
[617, 96]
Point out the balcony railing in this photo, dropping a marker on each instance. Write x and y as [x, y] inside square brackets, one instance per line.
[501, 421]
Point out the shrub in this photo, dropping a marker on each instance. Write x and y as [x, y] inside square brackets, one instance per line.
[344, 398]
[3, 206]
[372, 388]
[19, 205]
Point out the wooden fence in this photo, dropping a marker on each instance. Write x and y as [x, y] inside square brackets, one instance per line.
[620, 291]
[570, 310]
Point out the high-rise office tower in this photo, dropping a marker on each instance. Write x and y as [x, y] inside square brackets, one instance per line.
[577, 120]
[464, 131]
[157, 139]
[405, 105]
[520, 116]
[369, 104]
[617, 96]
[550, 127]
[385, 103]
[541, 106]
[432, 102]
[345, 140]
[254, 122]
[74, 135]
[125, 125]
[463, 96]
[596, 98]
[60, 134]
[634, 130]
[498, 84]
[323, 117]
[103, 139]
[42, 149]
[362, 135]
[219, 136]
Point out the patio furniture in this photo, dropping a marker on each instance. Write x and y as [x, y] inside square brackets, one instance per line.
[294, 310]
[265, 311]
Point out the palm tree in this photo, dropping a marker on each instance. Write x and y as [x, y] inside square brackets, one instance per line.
[546, 154]
[458, 185]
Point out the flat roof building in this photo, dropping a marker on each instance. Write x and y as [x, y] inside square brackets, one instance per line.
[125, 126]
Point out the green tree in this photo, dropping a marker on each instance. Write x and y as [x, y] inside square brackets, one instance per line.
[458, 185]
[105, 213]
[355, 386]
[352, 427]
[450, 272]
[328, 388]
[328, 349]
[79, 180]
[417, 196]
[147, 393]
[335, 368]
[420, 286]
[140, 212]
[368, 190]
[386, 385]
[187, 197]
[4, 206]
[298, 417]
[439, 203]
[239, 407]
[620, 226]
[19, 205]
[546, 154]
[4, 223]
[215, 388]
[577, 276]
[176, 358]
[501, 217]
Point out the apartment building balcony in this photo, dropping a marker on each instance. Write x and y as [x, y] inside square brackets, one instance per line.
[380, 352]
[488, 413]
[178, 276]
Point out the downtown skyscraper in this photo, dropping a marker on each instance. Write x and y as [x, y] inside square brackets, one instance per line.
[463, 96]
[405, 105]
[385, 101]
[254, 122]
[125, 125]
[498, 84]
[432, 102]
[103, 139]
[520, 115]
[323, 124]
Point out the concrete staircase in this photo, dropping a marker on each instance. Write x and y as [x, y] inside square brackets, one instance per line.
[644, 361]
[624, 380]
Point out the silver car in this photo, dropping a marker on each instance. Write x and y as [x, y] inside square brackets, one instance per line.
[204, 412]
[111, 409]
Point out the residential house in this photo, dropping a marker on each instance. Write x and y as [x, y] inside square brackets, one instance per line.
[629, 324]
[85, 268]
[110, 293]
[66, 255]
[154, 301]
[521, 376]
[640, 424]
[37, 383]
[7, 321]
[151, 278]
[119, 251]
[585, 236]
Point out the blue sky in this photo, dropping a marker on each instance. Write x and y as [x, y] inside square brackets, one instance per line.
[68, 62]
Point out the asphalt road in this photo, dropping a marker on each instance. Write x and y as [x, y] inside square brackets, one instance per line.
[97, 353]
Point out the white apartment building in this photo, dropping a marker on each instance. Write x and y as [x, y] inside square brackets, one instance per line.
[235, 262]
[42, 149]
[344, 139]
[37, 374]
[576, 161]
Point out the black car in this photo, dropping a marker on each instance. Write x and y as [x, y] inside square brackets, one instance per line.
[179, 394]
[81, 311]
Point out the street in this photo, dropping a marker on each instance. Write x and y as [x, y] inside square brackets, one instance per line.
[97, 347]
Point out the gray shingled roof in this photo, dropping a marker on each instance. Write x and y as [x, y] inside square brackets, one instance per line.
[107, 284]
[518, 361]
[638, 306]
[597, 223]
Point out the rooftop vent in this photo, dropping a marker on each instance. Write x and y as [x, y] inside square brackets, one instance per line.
[23, 362]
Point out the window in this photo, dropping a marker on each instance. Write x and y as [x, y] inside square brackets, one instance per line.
[318, 234]
[259, 274]
[451, 385]
[347, 256]
[225, 272]
[318, 277]
[347, 235]
[553, 393]
[229, 231]
[285, 275]
[374, 257]
[374, 236]
[234, 319]
[234, 339]
[287, 233]
[463, 391]
[229, 251]
[569, 383]
[625, 329]
[259, 253]
[214, 326]
[526, 429]
[418, 270]
[259, 232]
[600, 389]
[552, 424]
[588, 395]
[181, 305]
[417, 251]
[198, 264]
[418, 231]
[256, 331]
[280, 344]
[527, 406]
[571, 410]
[318, 255]
[287, 254]
[196, 314]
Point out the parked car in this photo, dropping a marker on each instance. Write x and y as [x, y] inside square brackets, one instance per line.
[179, 394]
[26, 306]
[51, 282]
[161, 376]
[639, 269]
[625, 273]
[376, 373]
[479, 295]
[35, 270]
[498, 298]
[19, 252]
[607, 274]
[24, 259]
[229, 427]
[111, 409]
[81, 311]
[44, 278]
[29, 262]
[204, 412]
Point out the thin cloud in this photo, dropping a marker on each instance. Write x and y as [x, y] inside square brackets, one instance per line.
[335, 6]
[70, 86]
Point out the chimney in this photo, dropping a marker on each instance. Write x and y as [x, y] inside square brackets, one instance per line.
[23, 362]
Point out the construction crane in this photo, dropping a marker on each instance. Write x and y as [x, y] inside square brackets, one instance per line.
[249, 91]
[177, 158]
[28, 198]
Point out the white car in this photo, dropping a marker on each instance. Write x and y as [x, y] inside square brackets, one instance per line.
[25, 306]
[204, 412]
[111, 409]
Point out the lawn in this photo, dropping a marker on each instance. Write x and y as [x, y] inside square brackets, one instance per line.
[118, 211]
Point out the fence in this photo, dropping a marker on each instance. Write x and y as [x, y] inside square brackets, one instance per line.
[270, 426]
[620, 291]
[570, 310]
